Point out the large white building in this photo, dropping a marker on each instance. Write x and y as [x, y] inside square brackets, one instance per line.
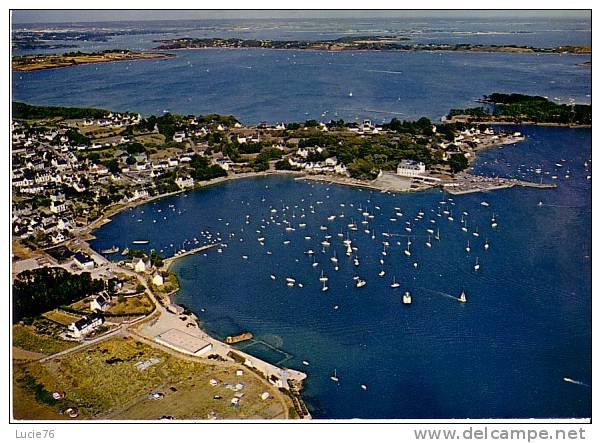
[410, 168]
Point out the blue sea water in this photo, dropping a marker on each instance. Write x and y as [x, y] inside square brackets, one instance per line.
[268, 85]
[526, 325]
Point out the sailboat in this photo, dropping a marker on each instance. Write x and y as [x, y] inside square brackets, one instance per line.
[467, 248]
[428, 243]
[334, 258]
[462, 298]
[406, 298]
[477, 265]
[382, 273]
[323, 278]
[356, 261]
[407, 252]
[493, 222]
[334, 377]
[437, 236]
[360, 283]
[394, 283]
[475, 233]
[486, 245]
[324, 288]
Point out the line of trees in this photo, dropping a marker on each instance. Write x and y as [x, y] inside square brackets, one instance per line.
[41, 290]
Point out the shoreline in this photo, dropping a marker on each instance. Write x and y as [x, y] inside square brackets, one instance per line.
[510, 123]
[431, 51]
[158, 56]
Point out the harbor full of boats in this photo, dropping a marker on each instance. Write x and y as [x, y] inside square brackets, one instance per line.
[387, 293]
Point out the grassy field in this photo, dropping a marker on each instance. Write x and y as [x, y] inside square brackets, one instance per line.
[82, 305]
[22, 252]
[150, 139]
[25, 337]
[60, 317]
[132, 305]
[170, 284]
[103, 382]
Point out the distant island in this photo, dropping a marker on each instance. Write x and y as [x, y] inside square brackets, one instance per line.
[46, 61]
[359, 43]
[520, 109]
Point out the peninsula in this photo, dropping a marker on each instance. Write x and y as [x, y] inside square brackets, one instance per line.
[359, 43]
[523, 109]
[47, 61]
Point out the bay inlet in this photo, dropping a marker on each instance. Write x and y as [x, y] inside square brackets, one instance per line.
[504, 353]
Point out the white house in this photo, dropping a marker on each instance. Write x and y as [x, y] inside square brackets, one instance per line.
[84, 261]
[179, 137]
[184, 183]
[85, 325]
[57, 207]
[101, 302]
[410, 168]
[139, 265]
[157, 280]
[57, 237]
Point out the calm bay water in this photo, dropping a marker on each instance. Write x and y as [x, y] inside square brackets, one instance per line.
[268, 85]
[527, 323]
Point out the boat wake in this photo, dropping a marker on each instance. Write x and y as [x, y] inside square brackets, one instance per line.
[444, 294]
[575, 382]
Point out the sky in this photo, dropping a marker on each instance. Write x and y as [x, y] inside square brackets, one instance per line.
[61, 16]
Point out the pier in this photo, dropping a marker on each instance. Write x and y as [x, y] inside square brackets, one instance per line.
[169, 261]
[467, 183]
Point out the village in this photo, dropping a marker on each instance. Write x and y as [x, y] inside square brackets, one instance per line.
[67, 174]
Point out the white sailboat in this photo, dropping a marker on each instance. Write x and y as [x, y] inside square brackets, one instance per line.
[334, 377]
[323, 277]
[334, 259]
[394, 283]
[406, 298]
[407, 252]
[360, 283]
[429, 243]
[477, 265]
[467, 248]
[462, 298]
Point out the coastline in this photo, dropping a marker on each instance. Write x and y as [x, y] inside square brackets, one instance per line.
[430, 51]
[156, 56]
[510, 123]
